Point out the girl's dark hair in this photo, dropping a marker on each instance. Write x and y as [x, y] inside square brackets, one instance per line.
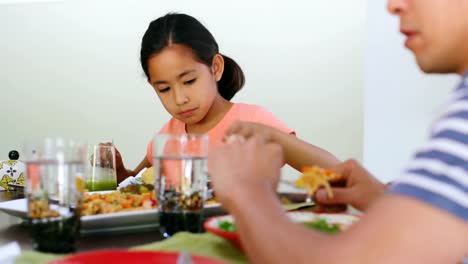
[185, 30]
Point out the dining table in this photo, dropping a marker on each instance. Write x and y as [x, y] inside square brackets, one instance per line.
[14, 229]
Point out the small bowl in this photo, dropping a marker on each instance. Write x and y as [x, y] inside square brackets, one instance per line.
[344, 220]
[212, 225]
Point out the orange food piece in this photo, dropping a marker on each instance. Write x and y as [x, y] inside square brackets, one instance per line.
[80, 184]
[314, 177]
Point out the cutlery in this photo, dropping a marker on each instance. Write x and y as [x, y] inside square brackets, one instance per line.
[184, 258]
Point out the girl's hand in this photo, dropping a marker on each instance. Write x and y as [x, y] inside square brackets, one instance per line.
[120, 169]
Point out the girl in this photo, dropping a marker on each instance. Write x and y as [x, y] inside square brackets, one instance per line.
[194, 82]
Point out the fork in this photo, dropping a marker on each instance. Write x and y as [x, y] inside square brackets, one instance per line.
[184, 258]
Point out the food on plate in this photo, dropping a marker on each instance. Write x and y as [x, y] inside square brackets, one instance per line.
[211, 195]
[227, 226]
[116, 201]
[80, 184]
[148, 176]
[137, 188]
[314, 177]
[284, 200]
[317, 224]
[212, 200]
[322, 225]
[39, 209]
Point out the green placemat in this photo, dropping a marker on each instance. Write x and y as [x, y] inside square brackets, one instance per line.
[29, 257]
[206, 244]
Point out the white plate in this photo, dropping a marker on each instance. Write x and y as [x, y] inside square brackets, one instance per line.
[343, 219]
[101, 221]
[16, 207]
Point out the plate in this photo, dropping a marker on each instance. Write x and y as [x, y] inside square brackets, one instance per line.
[103, 222]
[124, 256]
[344, 220]
[19, 208]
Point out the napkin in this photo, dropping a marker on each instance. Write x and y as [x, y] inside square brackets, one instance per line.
[8, 252]
[132, 179]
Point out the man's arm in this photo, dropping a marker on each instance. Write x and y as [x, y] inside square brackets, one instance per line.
[297, 153]
[396, 229]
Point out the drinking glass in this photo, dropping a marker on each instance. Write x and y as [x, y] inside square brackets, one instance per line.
[180, 167]
[101, 172]
[54, 188]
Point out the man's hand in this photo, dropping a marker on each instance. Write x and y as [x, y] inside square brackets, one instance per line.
[361, 187]
[248, 130]
[240, 167]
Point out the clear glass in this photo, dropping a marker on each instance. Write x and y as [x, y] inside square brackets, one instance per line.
[180, 167]
[101, 172]
[54, 189]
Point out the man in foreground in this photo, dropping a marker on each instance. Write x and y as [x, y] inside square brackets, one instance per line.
[422, 218]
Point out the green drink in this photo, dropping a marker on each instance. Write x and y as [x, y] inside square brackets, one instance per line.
[101, 173]
[101, 186]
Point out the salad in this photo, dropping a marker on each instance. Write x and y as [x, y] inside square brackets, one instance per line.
[318, 224]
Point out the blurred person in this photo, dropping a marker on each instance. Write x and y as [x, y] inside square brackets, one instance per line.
[421, 218]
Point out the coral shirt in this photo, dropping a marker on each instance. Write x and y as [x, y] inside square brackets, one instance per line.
[238, 112]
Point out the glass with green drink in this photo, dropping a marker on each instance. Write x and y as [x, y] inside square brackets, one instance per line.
[101, 172]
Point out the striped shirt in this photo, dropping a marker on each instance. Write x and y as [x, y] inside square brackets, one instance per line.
[438, 173]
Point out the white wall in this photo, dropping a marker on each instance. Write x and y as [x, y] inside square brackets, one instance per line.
[400, 101]
[72, 68]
